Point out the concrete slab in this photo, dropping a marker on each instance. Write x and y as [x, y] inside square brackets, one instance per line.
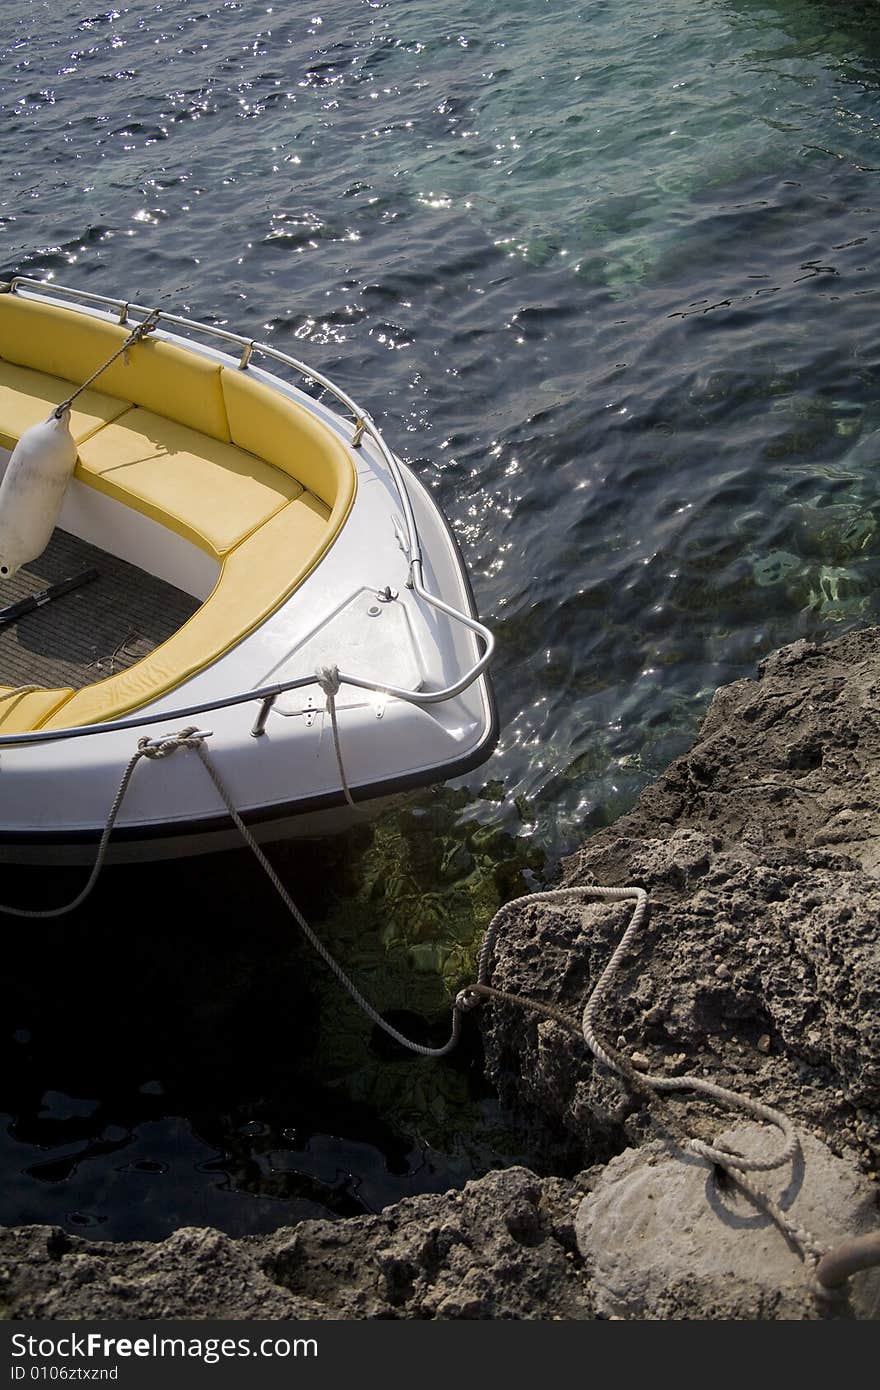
[662, 1238]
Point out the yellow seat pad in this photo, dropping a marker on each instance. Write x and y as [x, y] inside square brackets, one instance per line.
[278, 429]
[238, 468]
[28, 397]
[255, 578]
[160, 376]
[21, 713]
[212, 493]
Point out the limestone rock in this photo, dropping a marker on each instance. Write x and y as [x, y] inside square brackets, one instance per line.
[760, 962]
[502, 1248]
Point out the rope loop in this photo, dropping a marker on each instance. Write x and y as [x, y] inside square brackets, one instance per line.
[190, 737]
[139, 332]
[146, 326]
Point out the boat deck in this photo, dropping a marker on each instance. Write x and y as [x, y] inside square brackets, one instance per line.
[94, 631]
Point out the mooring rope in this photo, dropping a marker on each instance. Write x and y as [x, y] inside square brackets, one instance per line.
[17, 690]
[328, 679]
[737, 1166]
[135, 336]
[830, 1268]
[147, 748]
[318, 945]
[194, 738]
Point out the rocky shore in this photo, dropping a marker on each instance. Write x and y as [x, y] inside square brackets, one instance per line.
[759, 969]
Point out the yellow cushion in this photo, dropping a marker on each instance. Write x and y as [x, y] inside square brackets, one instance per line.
[256, 577]
[67, 343]
[169, 456]
[21, 713]
[212, 493]
[28, 397]
[288, 435]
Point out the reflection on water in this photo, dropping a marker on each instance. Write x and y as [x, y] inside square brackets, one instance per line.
[606, 274]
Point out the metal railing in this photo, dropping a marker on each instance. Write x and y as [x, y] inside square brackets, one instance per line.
[363, 425]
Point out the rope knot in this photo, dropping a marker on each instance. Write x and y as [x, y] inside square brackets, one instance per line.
[139, 332]
[467, 999]
[328, 679]
[167, 744]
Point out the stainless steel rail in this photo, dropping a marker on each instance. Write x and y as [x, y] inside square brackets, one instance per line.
[364, 424]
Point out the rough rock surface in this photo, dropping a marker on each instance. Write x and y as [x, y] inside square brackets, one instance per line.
[759, 967]
[760, 962]
[504, 1247]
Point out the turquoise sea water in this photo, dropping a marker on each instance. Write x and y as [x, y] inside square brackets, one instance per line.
[606, 275]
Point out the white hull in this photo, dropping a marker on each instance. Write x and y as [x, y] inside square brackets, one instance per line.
[193, 841]
[357, 611]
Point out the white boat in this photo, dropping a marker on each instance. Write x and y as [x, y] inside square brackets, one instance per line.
[254, 513]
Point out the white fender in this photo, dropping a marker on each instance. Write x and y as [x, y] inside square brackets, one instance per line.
[32, 491]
